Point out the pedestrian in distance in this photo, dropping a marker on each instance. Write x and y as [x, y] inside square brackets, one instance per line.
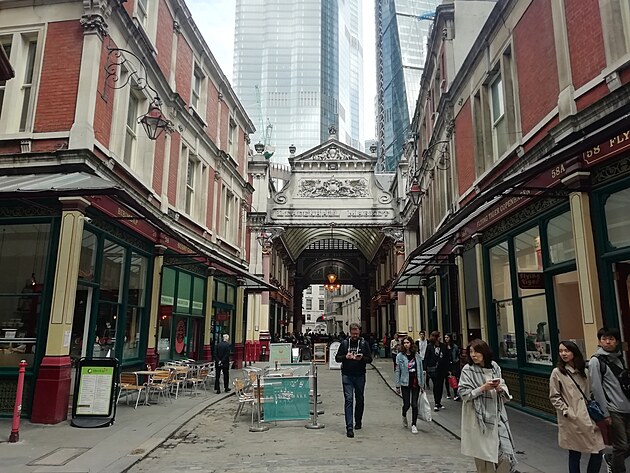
[353, 354]
[485, 431]
[569, 390]
[222, 364]
[421, 344]
[611, 386]
[394, 348]
[453, 370]
[437, 364]
[410, 380]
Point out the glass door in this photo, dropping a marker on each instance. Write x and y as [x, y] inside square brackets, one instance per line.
[80, 327]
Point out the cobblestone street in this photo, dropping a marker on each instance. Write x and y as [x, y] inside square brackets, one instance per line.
[210, 442]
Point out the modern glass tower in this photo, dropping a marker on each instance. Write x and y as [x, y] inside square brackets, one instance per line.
[298, 70]
[402, 30]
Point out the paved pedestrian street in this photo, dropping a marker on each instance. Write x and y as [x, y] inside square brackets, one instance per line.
[211, 442]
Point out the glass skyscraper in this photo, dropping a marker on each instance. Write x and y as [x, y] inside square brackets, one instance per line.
[298, 70]
[402, 30]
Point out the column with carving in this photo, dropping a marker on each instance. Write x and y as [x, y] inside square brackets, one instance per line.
[94, 22]
[263, 329]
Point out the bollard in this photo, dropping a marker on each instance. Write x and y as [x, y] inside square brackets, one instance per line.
[314, 424]
[17, 409]
[259, 427]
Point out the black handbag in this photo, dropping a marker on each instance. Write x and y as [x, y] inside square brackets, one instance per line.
[595, 411]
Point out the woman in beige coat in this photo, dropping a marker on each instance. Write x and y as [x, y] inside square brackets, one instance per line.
[568, 387]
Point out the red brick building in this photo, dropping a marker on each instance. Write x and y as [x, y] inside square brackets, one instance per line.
[114, 244]
[519, 156]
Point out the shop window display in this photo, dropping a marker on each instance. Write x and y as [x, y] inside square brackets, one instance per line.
[23, 248]
[502, 300]
[560, 239]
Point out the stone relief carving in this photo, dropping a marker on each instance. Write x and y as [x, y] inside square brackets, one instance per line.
[333, 188]
[332, 154]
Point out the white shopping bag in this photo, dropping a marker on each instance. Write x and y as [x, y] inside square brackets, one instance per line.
[424, 408]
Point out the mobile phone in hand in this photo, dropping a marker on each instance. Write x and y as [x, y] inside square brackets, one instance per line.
[358, 356]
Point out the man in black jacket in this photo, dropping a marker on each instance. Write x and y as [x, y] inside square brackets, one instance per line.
[354, 353]
[222, 364]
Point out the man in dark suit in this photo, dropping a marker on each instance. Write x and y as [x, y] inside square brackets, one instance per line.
[222, 364]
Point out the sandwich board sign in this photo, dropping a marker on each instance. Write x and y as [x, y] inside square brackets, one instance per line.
[95, 386]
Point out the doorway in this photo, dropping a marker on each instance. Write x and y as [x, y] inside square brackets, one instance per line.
[622, 287]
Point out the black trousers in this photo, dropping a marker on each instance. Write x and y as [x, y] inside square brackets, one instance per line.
[218, 369]
[438, 387]
[410, 398]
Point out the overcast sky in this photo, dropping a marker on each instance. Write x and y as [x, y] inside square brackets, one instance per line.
[215, 20]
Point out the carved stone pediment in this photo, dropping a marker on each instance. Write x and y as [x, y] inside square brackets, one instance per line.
[332, 154]
[333, 150]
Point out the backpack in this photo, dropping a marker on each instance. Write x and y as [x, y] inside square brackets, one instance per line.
[622, 374]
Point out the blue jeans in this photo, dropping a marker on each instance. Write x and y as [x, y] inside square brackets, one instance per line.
[353, 385]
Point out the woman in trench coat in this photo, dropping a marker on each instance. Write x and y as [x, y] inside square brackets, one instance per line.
[486, 434]
[568, 387]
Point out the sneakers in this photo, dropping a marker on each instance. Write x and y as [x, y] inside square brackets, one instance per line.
[405, 423]
[608, 461]
[442, 407]
[448, 397]
[414, 429]
[456, 398]
[350, 434]
[436, 408]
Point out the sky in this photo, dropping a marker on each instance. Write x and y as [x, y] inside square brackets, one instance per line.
[215, 20]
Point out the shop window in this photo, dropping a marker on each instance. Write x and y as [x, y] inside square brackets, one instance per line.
[167, 296]
[199, 289]
[566, 293]
[137, 280]
[502, 300]
[112, 272]
[87, 260]
[531, 288]
[133, 326]
[184, 285]
[135, 306]
[560, 239]
[229, 298]
[106, 321]
[618, 218]
[24, 250]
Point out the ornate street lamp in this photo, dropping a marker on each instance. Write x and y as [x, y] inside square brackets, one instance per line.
[154, 122]
[415, 192]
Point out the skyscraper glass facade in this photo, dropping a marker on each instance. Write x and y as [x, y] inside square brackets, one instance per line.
[401, 37]
[297, 70]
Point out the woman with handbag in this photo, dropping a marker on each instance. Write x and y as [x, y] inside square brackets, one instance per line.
[485, 430]
[570, 393]
[409, 378]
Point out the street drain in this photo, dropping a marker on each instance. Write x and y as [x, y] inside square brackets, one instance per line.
[58, 457]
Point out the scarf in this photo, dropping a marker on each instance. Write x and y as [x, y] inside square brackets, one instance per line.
[489, 409]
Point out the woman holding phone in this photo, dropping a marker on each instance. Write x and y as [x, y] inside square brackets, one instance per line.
[485, 429]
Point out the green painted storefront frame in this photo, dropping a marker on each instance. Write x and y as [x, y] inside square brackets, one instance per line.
[520, 366]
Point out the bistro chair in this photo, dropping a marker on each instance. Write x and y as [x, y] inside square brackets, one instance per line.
[161, 383]
[197, 380]
[129, 384]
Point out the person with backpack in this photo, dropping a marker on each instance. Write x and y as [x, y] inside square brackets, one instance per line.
[610, 384]
[354, 354]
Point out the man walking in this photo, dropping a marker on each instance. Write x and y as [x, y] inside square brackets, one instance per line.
[421, 343]
[222, 364]
[354, 353]
[611, 386]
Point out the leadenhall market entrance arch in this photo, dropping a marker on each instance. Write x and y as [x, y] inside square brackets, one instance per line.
[331, 213]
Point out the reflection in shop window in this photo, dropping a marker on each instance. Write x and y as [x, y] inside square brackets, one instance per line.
[112, 273]
[106, 320]
[560, 238]
[131, 347]
[135, 306]
[618, 218]
[87, 261]
[502, 300]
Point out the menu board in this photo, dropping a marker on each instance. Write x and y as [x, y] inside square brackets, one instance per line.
[286, 398]
[95, 390]
[280, 352]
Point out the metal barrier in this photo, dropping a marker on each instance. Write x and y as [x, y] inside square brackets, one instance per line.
[314, 424]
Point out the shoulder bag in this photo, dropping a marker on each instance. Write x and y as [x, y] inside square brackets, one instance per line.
[592, 406]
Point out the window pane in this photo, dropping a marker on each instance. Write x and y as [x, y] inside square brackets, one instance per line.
[132, 111]
[568, 308]
[184, 286]
[321, 304]
[506, 330]
[536, 324]
[500, 272]
[199, 289]
[309, 304]
[618, 218]
[27, 84]
[529, 257]
[133, 326]
[167, 296]
[560, 238]
[87, 261]
[137, 280]
[23, 249]
[229, 298]
[164, 338]
[497, 99]
[106, 330]
[112, 272]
